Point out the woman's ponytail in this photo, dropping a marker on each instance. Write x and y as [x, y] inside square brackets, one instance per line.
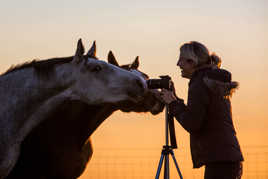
[215, 60]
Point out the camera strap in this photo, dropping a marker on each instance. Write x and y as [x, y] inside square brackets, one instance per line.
[172, 133]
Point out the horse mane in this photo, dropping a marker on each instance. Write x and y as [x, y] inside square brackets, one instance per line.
[41, 66]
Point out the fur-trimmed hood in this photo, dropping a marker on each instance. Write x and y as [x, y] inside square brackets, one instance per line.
[219, 81]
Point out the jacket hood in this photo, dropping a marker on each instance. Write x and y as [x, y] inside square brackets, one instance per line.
[219, 81]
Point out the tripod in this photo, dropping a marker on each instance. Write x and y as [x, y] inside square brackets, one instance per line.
[167, 149]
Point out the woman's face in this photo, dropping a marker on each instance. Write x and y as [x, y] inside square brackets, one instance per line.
[187, 67]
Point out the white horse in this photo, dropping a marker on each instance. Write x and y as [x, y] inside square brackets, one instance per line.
[31, 91]
[61, 146]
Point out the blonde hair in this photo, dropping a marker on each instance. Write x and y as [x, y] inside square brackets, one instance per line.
[215, 60]
[199, 53]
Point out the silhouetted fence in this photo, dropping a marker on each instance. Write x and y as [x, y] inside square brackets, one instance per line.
[142, 164]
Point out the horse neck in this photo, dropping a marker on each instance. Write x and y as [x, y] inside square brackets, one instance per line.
[30, 80]
[23, 94]
[91, 123]
[27, 84]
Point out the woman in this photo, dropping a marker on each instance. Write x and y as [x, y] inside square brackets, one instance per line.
[207, 115]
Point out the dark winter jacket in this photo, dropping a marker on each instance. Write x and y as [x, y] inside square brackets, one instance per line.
[208, 117]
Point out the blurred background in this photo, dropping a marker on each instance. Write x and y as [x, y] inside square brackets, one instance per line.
[128, 145]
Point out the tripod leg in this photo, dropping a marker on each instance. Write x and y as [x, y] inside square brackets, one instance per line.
[166, 170]
[159, 166]
[176, 164]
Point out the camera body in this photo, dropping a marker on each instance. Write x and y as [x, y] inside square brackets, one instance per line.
[163, 82]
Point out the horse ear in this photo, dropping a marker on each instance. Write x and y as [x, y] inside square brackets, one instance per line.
[79, 52]
[135, 64]
[92, 50]
[111, 59]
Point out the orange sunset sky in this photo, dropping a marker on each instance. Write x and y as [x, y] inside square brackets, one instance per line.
[236, 30]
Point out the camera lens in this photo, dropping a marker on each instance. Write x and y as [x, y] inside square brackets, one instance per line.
[158, 83]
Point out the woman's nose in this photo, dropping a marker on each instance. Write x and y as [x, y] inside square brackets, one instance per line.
[179, 63]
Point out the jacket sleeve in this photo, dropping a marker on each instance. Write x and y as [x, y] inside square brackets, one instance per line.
[192, 115]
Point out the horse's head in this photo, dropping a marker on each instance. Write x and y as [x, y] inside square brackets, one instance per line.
[151, 102]
[98, 82]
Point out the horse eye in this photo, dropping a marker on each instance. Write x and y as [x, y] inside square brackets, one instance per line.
[97, 68]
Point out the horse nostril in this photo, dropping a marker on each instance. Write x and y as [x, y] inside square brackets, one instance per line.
[140, 84]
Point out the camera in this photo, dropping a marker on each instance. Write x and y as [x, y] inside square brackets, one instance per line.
[164, 82]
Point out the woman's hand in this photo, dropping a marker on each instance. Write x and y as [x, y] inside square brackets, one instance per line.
[167, 96]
